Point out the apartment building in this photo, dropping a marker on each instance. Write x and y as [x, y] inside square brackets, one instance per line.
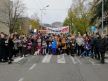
[4, 16]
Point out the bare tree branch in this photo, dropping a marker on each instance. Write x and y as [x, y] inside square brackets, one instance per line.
[14, 11]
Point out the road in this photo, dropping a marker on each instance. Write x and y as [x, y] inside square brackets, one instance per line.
[54, 68]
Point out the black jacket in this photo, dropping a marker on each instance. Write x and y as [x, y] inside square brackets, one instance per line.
[103, 45]
[2, 47]
[100, 44]
[10, 44]
[96, 42]
[2, 42]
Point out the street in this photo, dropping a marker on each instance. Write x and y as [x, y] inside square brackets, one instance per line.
[54, 68]
[53, 40]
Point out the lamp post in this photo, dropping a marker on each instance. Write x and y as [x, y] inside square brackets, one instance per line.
[42, 13]
[102, 16]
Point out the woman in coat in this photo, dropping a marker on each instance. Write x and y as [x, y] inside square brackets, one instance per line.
[11, 48]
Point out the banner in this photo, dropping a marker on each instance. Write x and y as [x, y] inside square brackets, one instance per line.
[64, 29]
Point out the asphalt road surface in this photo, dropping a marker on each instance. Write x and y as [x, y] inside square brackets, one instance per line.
[54, 68]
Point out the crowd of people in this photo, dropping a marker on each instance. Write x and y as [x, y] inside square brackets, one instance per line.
[14, 45]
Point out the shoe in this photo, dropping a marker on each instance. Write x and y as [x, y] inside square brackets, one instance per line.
[98, 58]
[72, 55]
[0, 60]
[102, 62]
[81, 56]
[5, 61]
[10, 62]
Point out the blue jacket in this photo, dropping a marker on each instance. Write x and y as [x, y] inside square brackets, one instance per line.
[54, 44]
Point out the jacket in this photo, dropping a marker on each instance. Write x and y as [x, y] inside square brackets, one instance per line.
[54, 44]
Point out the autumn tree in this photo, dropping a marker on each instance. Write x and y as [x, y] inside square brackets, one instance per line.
[34, 21]
[78, 17]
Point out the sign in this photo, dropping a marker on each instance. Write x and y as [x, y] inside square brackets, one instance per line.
[93, 28]
[64, 29]
[35, 30]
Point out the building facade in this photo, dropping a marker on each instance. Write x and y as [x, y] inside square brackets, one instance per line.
[4, 16]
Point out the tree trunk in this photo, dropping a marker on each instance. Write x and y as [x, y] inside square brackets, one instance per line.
[11, 30]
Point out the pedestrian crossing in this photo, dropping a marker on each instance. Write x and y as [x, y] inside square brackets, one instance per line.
[66, 59]
[73, 60]
[63, 59]
[18, 59]
[46, 59]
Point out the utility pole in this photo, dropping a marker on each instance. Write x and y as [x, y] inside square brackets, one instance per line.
[102, 16]
[42, 14]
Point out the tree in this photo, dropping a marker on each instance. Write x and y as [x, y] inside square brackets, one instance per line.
[14, 10]
[78, 17]
[66, 22]
[34, 21]
[97, 10]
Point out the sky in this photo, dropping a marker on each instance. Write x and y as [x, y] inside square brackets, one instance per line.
[57, 10]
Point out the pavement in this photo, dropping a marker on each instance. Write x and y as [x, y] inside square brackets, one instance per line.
[54, 68]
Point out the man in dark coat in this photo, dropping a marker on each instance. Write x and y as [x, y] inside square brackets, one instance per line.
[96, 44]
[2, 47]
[102, 48]
[106, 42]
[100, 45]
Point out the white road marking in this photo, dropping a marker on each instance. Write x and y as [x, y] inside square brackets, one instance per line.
[21, 79]
[61, 59]
[18, 59]
[73, 60]
[78, 60]
[106, 60]
[106, 55]
[49, 58]
[32, 67]
[93, 63]
[33, 57]
[46, 59]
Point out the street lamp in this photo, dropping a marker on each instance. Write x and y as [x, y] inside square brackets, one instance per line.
[42, 13]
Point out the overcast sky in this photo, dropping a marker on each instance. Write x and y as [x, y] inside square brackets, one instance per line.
[57, 10]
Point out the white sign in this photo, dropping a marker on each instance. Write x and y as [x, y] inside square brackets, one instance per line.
[35, 30]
